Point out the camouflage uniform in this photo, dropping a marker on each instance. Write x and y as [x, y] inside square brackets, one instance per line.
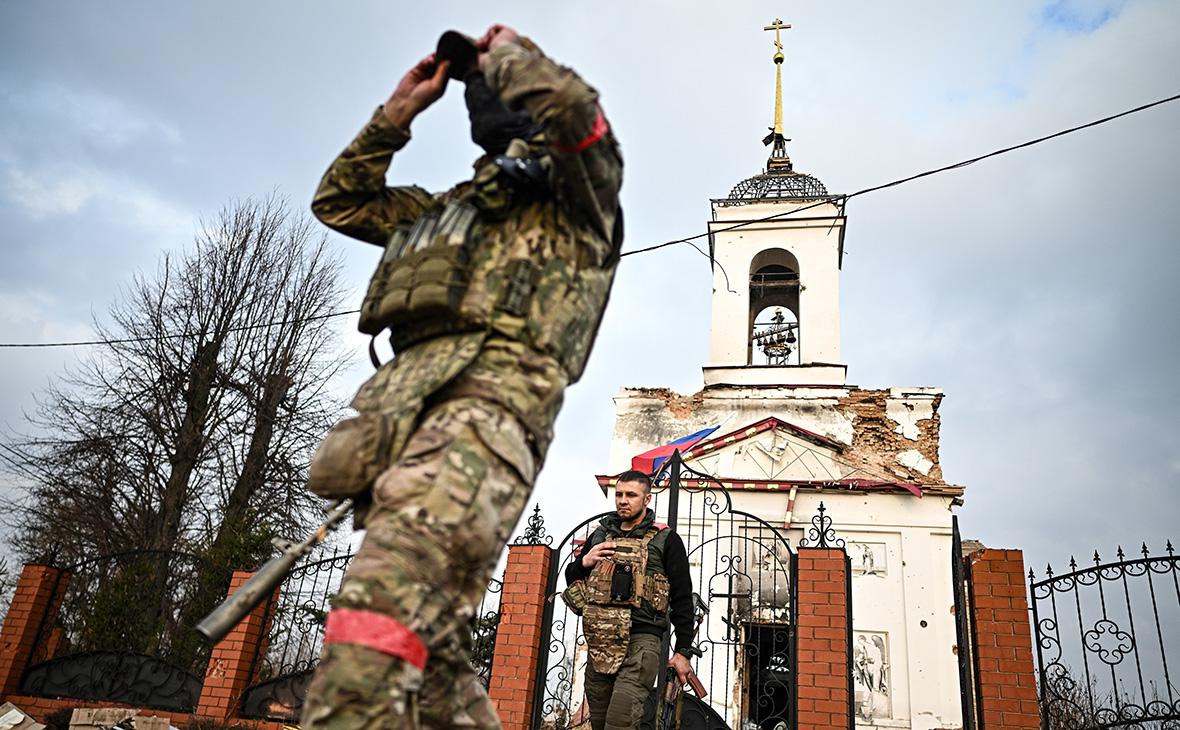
[463, 419]
[625, 647]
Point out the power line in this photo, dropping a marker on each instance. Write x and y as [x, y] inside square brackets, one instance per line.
[911, 178]
[153, 338]
[838, 199]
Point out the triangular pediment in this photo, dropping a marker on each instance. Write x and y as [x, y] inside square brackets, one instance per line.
[771, 450]
[771, 455]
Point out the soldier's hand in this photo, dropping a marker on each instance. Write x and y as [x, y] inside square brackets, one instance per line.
[495, 36]
[419, 88]
[601, 551]
[679, 662]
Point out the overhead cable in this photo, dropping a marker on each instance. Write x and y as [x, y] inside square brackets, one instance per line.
[839, 200]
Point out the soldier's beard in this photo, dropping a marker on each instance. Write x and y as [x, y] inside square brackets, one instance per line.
[494, 125]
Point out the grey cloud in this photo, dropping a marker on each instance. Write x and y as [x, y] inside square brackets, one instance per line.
[1035, 289]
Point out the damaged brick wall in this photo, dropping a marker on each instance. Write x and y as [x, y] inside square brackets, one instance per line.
[680, 406]
[880, 443]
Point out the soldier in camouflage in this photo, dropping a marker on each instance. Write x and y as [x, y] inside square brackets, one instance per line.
[492, 293]
[630, 580]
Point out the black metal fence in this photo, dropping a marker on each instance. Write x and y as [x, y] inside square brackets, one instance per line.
[286, 661]
[1108, 640]
[123, 632]
[743, 569]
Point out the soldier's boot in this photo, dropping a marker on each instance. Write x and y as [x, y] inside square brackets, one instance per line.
[441, 516]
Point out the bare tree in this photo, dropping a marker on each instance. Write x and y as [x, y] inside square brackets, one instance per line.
[191, 428]
[8, 580]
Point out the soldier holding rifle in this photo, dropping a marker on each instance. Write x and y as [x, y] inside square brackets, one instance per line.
[629, 582]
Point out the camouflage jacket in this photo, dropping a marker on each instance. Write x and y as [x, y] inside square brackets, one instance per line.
[586, 173]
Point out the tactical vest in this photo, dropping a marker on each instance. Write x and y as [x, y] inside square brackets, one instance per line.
[493, 259]
[615, 588]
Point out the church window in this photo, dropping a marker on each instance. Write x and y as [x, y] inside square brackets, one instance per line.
[774, 309]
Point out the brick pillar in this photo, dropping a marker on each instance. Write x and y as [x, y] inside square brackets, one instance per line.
[1007, 678]
[824, 682]
[520, 634]
[232, 662]
[34, 603]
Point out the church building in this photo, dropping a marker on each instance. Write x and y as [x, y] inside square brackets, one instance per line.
[813, 457]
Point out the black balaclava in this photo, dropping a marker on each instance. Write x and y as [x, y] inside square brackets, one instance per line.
[494, 125]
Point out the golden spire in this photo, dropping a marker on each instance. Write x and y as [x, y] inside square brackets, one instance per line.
[779, 151]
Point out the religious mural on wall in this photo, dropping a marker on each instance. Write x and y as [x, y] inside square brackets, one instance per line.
[872, 683]
[868, 558]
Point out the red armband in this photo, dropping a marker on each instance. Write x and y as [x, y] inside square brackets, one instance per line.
[599, 129]
[376, 631]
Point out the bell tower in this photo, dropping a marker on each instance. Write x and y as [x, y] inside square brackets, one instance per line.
[776, 279]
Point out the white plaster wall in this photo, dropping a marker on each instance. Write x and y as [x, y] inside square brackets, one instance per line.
[815, 243]
[916, 533]
[763, 374]
[643, 422]
[917, 589]
[908, 407]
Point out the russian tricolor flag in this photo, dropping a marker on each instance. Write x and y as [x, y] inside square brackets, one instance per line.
[649, 461]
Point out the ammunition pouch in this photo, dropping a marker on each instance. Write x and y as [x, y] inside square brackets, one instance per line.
[423, 277]
[516, 267]
[575, 597]
[351, 456]
[623, 580]
[620, 584]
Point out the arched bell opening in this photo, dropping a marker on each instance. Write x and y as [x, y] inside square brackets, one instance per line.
[774, 309]
[775, 337]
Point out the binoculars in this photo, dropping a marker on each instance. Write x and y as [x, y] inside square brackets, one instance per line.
[460, 50]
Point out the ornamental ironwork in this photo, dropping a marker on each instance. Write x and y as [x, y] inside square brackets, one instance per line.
[298, 617]
[278, 699]
[534, 533]
[285, 663]
[1104, 635]
[965, 644]
[775, 184]
[119, 627]
[484, 630]
[821, 534]
[107, 676]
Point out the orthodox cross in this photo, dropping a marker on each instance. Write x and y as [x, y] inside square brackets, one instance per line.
[776, 132]
[777, 26]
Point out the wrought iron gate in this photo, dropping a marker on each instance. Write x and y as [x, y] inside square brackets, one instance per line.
[965, 631]
[743, 570]
[285, 661]
[1104, 636]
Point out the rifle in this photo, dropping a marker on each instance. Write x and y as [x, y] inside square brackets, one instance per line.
[672, 697]
[233, 609]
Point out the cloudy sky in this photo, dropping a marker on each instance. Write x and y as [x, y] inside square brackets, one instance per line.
[1036, 289]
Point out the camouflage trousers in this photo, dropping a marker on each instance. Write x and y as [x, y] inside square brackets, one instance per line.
[616, 700]
[440, 519]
